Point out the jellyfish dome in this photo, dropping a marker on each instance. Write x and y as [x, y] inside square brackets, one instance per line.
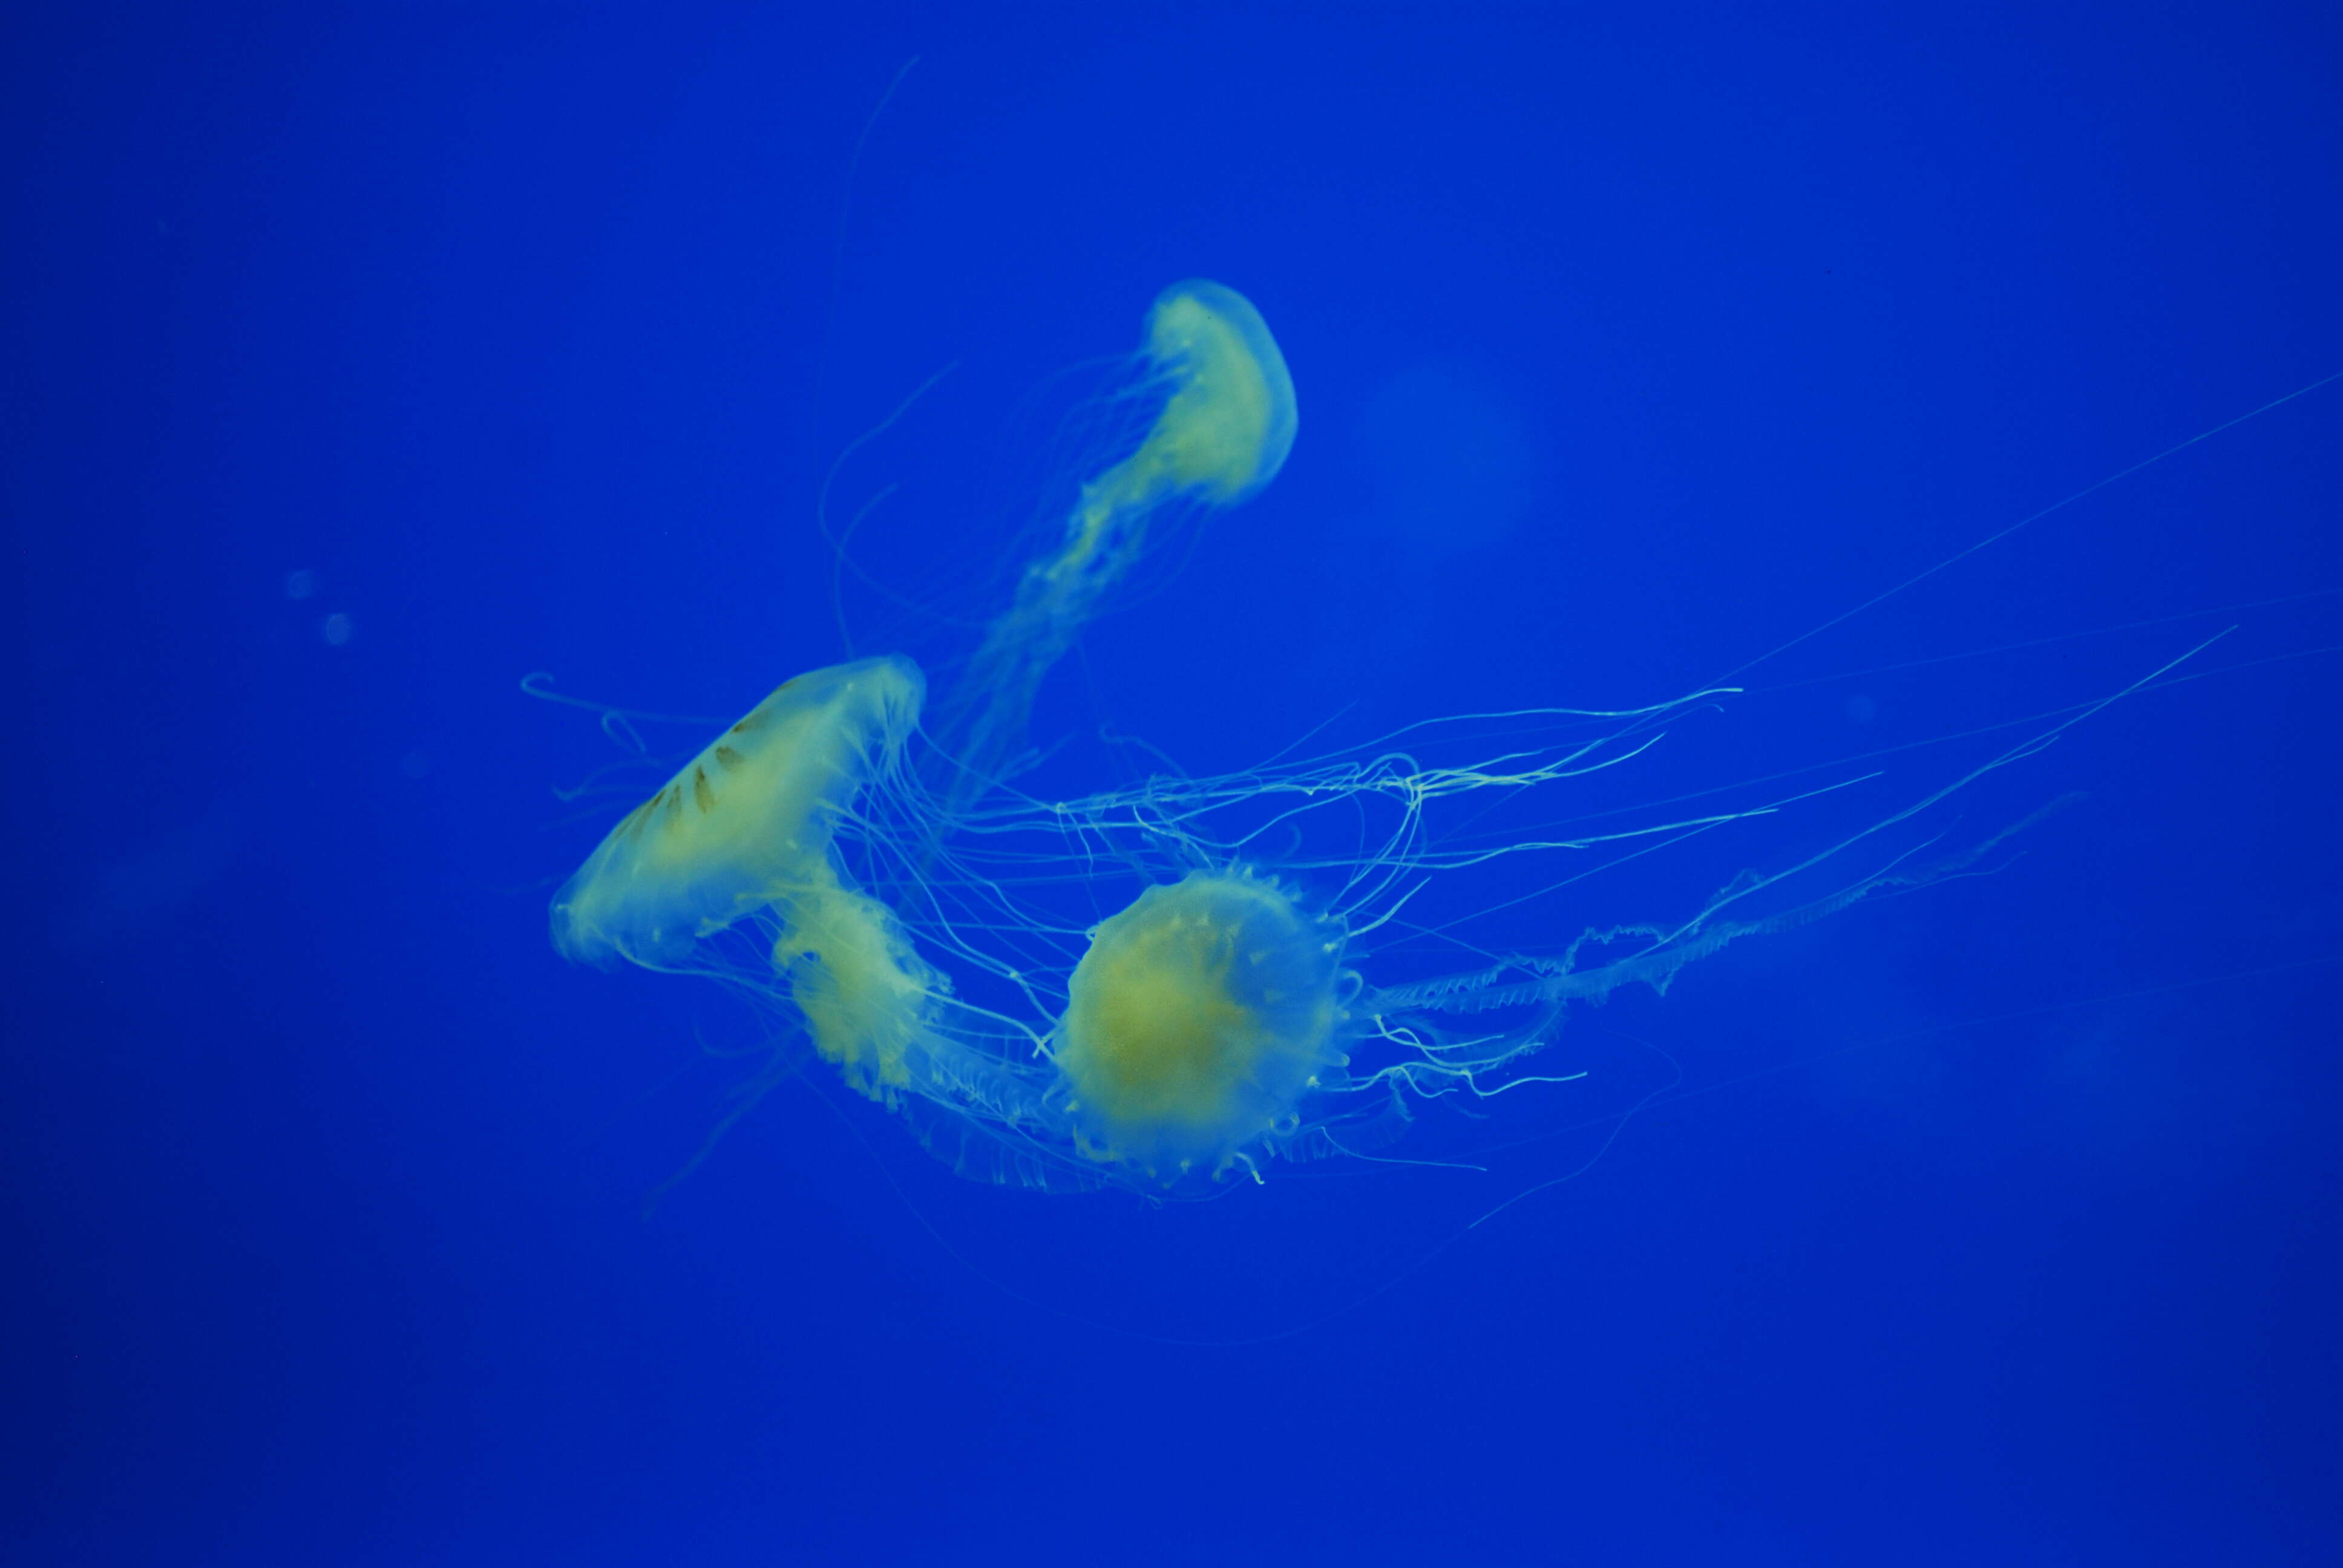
[1197, 1021]
[1230, 420]
[745, 823]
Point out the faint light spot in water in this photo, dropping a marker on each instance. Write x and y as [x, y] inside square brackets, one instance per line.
[149, 888]
[416, 764]
[300, 585]
[335, 628]
[1451, 457]
[1862, 710]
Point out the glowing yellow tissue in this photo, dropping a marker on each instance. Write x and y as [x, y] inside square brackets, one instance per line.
[1230, 421]
[1197, 1020]
[744, 822]
[862, 989]
[1226, 424]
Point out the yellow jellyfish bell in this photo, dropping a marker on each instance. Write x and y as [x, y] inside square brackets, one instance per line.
[1226, 428]
[746, 828]
[746, 821]
[1197, 1019]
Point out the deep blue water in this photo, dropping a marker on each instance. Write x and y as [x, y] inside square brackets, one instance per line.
[360, 363]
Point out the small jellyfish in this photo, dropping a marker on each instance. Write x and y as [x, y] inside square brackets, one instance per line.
[1226, 423]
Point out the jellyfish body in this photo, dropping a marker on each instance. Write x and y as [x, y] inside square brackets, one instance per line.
[1226, 421]
[741, 823]
[1197, 1021]
[744, 829]
[1117, 989]
[1227, 425]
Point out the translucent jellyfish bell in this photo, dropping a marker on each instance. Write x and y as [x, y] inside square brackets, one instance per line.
[1197, 1020]
[1230, 420]
[745, 823]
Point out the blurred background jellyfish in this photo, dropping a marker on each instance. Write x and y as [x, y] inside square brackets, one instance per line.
[1171, 984]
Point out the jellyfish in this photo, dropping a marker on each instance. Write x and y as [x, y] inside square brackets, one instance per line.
[1174, 985]
[744, 829]
[1225, 423]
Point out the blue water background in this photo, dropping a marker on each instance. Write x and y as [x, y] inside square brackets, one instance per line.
[1996, 1223]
